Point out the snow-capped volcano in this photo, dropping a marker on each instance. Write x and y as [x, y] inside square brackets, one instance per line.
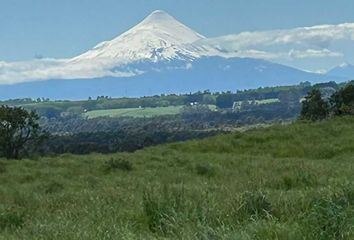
[159, 55]
[158, 37]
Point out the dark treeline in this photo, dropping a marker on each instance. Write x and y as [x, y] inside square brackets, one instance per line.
[319, 105]
[118, 141]
[105, 135]
[191, 118]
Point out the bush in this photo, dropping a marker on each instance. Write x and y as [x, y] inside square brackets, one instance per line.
[120, 164]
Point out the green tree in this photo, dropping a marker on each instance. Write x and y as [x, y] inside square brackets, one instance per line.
[290, 98]
[343, 100]
[314, 108]
[19, 131]
[225, 100]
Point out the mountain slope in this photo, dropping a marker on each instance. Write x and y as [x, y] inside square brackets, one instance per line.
[344, 70]
[158, 37]
[213, 73]
[294, 181]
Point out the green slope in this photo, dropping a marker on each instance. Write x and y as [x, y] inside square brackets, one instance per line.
[281, 182]
[138, 112]
[135, 112]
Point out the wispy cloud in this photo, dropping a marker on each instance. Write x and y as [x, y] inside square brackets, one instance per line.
[320, 36]
[289, 55]
[44, 69]
[312, 53]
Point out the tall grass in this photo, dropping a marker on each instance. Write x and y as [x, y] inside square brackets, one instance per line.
[281, 182]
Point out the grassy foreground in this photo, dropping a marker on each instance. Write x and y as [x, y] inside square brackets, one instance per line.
[281, 182]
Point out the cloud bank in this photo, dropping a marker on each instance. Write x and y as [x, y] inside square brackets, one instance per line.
[332, 44]
[44, 69]
[321, 37]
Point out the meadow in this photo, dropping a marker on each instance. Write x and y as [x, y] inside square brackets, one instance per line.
[138, 112]
[135, 112]
[281, 182]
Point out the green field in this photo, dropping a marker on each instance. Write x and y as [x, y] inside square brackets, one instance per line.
[135, 112]
[138, 112]
[259, 102]
[281, 182]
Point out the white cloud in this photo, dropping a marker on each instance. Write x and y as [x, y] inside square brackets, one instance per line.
[318, 36]
[312, 53]
[257, 54]
[36, 70]
[328, 44]
[290, 55]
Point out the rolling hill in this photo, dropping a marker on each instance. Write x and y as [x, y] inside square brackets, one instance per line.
[281, 182]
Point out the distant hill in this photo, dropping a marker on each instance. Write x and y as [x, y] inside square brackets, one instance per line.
[286, 182]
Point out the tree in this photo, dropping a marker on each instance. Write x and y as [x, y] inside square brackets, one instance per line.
[19, 131]
[314, 108]
[225, 100]
[290, 98]
[343, 100]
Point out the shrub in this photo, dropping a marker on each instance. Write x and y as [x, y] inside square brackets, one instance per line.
[120, 164]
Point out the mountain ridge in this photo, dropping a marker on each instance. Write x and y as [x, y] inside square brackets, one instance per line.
[345, 70]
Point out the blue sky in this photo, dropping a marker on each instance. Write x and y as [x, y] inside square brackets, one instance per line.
[66, 28]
